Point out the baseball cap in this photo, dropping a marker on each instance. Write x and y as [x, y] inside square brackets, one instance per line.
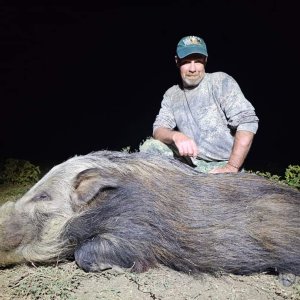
[191, 45]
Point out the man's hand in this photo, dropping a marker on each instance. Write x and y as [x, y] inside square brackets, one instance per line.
[225, 169]
[185, 145]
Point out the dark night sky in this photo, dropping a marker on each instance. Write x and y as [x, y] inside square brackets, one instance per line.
[78, 77]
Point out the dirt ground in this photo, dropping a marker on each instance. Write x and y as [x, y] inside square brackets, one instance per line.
[67, 281]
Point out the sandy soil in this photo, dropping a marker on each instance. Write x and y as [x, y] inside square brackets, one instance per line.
[66, 281]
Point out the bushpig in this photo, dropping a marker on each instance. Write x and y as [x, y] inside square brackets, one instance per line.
[112, 209]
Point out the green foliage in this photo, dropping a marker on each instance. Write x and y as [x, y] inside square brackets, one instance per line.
[268, 175]
[18, 171]
[291, 176]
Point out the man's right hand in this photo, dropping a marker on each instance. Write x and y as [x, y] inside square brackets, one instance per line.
[185, 145]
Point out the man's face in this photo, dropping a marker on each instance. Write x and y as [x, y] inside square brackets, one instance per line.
[192, 69]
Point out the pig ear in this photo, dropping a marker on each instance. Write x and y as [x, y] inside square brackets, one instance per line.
[91, 182]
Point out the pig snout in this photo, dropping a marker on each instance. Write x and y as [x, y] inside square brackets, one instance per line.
[12, 231]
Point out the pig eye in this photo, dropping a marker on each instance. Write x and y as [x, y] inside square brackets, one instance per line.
[41, 197]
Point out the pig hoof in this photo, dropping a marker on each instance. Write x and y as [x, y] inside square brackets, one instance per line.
[287, 279]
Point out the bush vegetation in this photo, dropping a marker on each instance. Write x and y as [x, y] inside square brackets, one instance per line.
[21, 172]
[291, 176]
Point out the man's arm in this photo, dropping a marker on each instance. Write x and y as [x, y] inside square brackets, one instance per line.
[242, 143]
[185, 145]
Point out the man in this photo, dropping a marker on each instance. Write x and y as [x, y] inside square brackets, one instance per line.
[205, 120]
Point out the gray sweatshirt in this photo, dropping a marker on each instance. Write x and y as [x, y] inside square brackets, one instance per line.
[210, 114]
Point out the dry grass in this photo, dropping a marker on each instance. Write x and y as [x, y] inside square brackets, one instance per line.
[45, 282]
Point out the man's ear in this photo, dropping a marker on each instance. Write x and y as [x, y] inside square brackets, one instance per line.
[88, 183]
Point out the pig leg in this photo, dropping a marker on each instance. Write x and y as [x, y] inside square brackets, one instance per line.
[99, 254]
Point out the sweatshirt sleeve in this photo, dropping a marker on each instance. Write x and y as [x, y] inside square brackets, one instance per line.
[239, 112]
[165, 117]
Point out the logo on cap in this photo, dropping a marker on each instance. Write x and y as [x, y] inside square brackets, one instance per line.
[192, 40]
